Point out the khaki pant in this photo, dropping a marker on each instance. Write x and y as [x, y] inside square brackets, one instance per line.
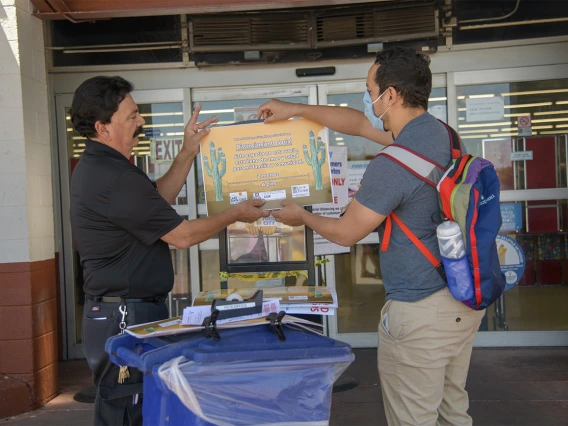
[424, 358]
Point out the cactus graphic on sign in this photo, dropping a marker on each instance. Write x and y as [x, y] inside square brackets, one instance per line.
[217, 169]
[314, 159]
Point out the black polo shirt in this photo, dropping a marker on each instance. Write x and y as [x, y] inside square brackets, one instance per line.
[118, 218]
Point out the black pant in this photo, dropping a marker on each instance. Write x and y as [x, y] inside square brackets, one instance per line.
[114, 402]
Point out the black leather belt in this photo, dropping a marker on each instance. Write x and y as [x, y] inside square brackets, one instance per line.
[118, 299]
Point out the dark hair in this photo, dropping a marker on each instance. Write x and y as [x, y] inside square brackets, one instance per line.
[97, 99]
[408, 72]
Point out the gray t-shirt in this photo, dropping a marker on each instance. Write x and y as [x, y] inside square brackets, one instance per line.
[386, 186]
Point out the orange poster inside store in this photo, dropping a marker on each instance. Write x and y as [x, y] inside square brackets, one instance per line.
[288, 160]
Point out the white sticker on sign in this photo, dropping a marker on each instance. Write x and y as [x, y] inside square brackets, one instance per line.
[267, 221]
[521, 156]
[235, 306]
[270, 195]
[300, 191]
[237, 197]
[170, 323]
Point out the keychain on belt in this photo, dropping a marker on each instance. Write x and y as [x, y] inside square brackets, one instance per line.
[123, 374]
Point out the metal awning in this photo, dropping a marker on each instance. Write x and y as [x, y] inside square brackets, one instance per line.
[88, 10]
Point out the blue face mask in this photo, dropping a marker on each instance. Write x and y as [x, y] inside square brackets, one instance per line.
[377, 122]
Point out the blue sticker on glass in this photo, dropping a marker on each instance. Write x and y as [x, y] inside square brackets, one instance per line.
[511, 259]
[512, 217]
[152, 132]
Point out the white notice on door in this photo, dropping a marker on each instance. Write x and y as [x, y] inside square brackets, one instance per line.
[521, 156]
[484, 109]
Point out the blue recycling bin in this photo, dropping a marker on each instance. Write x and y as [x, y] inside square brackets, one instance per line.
[247, 377]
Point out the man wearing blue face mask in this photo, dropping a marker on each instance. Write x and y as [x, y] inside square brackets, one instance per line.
[377, 122]
[425, 335]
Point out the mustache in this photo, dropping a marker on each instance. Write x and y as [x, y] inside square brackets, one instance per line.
[138, 132]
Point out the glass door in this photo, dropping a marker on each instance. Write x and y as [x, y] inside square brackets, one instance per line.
[518, 119]
[165, 117]
[356, 275]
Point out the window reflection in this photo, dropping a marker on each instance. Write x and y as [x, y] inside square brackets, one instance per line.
[538, 301]
[265, 241]
[545, 101]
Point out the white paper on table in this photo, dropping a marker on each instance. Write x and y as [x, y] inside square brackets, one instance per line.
[194, 315]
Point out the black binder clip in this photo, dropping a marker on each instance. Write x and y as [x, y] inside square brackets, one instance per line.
[210, 324]
[276, 324]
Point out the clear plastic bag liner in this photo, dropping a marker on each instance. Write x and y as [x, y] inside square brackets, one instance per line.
[289, 392]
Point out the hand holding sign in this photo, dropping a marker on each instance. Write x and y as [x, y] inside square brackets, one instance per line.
[275, 110]
[249, 211]
[194, 132]
[290, 215]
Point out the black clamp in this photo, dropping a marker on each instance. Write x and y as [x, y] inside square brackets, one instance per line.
[276, 324]
[210, 324]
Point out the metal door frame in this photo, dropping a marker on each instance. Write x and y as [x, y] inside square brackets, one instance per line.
[510, 75]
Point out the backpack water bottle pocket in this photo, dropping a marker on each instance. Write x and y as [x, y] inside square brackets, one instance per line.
[460, 281]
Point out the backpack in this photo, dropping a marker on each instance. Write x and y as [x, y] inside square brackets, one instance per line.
[468, 192]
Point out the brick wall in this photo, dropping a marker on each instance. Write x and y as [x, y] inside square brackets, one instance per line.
[29, 346]
[29, 343]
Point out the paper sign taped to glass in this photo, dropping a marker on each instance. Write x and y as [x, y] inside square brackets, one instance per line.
[288, 160]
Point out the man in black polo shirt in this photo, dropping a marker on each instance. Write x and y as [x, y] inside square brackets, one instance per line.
[122, 225]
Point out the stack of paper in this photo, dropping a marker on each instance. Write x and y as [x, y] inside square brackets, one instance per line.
[175, 326]
[194, 315]
[292, 300]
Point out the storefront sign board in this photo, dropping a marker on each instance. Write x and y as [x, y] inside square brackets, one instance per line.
[288, 160]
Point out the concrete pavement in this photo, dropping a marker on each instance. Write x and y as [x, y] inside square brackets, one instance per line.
[520, 387]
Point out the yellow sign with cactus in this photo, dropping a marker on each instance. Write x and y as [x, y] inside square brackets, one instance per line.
[288, 160]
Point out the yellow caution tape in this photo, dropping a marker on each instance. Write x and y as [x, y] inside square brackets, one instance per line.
[224, 276]
[321, 262]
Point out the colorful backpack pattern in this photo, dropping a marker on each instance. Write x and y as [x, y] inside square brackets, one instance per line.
[469, 195]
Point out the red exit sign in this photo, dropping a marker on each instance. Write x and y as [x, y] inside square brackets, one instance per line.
[165, 149]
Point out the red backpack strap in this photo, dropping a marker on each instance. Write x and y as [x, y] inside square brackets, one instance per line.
[387, 234]
[419, 244]
[455, 141]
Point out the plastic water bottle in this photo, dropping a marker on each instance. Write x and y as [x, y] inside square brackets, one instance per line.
[454, 258]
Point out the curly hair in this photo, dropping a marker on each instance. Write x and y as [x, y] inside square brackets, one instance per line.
[97, 99]
[408, 72]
